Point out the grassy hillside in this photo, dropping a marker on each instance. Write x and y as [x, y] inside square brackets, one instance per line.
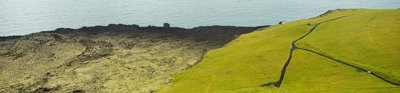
[356, 52]
[369, 40]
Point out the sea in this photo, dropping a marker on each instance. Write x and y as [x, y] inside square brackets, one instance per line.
[21, 17]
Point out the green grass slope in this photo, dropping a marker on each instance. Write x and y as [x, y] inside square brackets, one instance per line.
[368, 39]
[310, 73]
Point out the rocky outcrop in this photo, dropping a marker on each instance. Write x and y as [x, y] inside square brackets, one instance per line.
[113, 58]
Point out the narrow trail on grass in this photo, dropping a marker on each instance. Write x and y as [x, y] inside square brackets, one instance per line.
[377, 76]
[294, 47]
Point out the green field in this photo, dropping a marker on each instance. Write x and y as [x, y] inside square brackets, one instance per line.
[365, 40]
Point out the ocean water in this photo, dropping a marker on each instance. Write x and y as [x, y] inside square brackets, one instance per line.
[19, 17]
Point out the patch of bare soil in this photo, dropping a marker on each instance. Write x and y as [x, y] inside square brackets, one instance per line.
[114, 58]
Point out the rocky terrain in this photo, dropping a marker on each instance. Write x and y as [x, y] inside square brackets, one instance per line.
[113, 58]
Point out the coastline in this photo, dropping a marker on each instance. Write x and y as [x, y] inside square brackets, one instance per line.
[125, 25]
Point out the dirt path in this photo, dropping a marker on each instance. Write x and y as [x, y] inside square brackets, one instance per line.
[358, 68]
[294, 47]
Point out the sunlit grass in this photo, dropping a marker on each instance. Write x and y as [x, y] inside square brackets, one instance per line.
[369, 40]
[257, 58]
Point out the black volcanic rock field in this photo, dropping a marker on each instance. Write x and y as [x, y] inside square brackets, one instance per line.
[114, 58]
